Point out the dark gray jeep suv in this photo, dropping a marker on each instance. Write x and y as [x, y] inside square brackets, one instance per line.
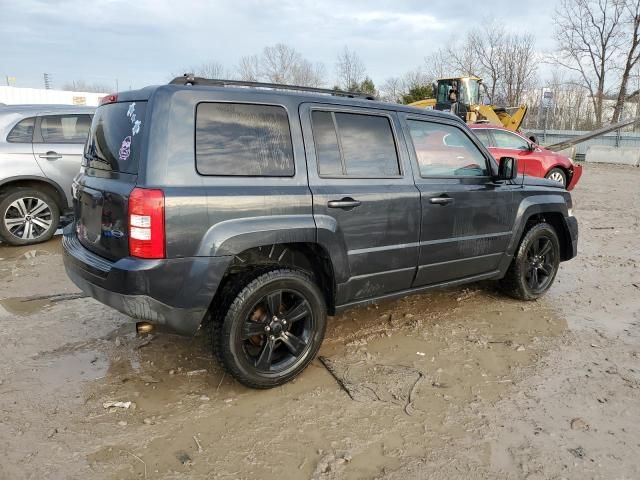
[263, 210]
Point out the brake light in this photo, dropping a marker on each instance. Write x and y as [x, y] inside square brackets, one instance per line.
[109, 99]
[146, 223]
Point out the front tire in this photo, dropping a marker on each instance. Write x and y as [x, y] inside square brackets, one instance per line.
[28, 216]
[535, 265]
[557, 175]
[272, 329]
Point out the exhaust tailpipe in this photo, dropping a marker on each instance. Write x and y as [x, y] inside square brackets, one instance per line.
[143, 328]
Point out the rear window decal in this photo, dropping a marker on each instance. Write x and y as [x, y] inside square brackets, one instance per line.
[125, 149]
[131, 113]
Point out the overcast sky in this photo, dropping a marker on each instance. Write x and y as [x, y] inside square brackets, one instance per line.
[142, 42]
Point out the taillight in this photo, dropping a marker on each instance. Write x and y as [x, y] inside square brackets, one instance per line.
[146, 223]
[109, 99]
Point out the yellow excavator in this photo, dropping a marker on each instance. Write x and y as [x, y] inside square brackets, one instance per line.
[461, 96]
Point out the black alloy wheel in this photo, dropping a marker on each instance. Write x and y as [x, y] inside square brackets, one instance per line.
[535, 264]
[541, 264]
[277, 331]
[268, 327]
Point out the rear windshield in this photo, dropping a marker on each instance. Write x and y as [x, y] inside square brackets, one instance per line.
[115, 137]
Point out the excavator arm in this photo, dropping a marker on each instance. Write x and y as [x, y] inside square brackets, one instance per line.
[428, 103]
[500, 116]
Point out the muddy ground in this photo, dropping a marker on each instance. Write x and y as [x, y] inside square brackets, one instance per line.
[460, 383]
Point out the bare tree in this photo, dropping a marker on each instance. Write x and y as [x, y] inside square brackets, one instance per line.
[517, 66]
[589, 35]
[462, 57]
[412, 86]
[307, 74]
[571, 107]
[279, 63]
[212, 69]
[438, 65]
[631, 23]
[392, 90]
[415, 78]
[83, 86]
[249, 68]
[209, 70]
[350, 69]
[282, 64]
[488, 46]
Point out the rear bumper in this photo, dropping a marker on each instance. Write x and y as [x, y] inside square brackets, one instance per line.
[575, 176]
[176, 292]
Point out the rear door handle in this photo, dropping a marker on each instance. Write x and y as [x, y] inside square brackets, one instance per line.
[51, 155]
[443, 201]
[346, 203]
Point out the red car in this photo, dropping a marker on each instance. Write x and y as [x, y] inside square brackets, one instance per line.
[533, 159]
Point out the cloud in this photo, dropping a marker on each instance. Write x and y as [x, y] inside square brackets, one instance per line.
[141, 42]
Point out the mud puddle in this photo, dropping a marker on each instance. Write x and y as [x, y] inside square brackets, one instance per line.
[404, 374]
[25, 306]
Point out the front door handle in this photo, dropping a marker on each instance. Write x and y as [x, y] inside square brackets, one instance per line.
[346, 203]
[443, 201]
[51, 155]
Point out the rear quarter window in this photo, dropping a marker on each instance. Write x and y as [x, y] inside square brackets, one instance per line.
[22, 132]
[240, 139]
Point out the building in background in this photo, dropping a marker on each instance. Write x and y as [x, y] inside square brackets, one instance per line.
[20, 96]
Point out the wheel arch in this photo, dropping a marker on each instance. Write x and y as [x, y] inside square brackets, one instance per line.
[37, 183]
[559, 166]
[551, 209]
[308, 256]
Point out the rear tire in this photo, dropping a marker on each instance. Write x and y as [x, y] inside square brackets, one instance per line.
[557, 175]
[27, 217]
[273, 327]
[535, 264]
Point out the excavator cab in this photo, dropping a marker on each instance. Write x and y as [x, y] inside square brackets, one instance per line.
[457, 95]
[461, 96]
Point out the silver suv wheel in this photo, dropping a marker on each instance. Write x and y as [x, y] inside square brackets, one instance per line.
[28, 216]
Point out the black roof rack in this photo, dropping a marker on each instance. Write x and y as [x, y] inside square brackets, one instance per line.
[190, 79]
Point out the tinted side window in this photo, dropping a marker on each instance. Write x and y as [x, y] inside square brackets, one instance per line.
[367, 145]
[65, 128]
[483, 136]
[22, 132]
[509, 140]
[363, 146]
[326, 141]
[243, 139]
[444, 150]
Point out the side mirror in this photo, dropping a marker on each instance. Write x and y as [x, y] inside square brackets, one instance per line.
[507, 168]
[531, 147]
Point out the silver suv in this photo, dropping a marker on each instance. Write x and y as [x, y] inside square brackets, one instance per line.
[40, 152]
